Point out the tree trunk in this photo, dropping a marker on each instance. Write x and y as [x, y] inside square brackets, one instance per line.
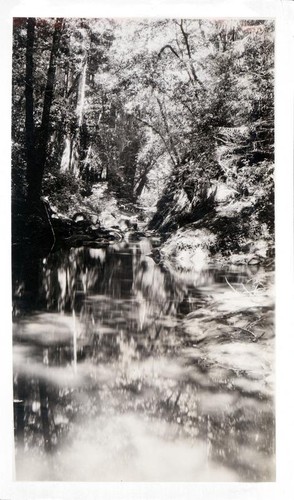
[49, 91]
[81, 95]
[187, 45]
[141, 184]
[29, 108]
[36, 162]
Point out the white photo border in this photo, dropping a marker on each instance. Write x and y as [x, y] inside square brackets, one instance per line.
[282, 11]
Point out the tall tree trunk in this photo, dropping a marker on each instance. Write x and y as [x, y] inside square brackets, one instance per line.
[81, 95]
[141, 183]
[49, 91]
[77, 138]
[29, 109]
[37, 163]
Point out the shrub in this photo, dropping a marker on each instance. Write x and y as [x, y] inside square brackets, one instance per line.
[64, 190]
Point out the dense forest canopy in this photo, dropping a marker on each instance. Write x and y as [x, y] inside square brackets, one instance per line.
[165, 111]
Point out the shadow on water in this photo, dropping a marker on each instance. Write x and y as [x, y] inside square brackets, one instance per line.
[127, 370]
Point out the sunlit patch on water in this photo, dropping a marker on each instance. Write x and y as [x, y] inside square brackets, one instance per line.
[126, 371]
[127, 448]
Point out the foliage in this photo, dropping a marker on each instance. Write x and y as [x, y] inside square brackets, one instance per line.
[63, 190]
[161, 110]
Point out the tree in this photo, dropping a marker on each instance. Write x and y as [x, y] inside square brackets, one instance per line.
[37, 142]
[122, 98]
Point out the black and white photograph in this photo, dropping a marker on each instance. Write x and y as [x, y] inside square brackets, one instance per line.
[146, 200]
[143, 249]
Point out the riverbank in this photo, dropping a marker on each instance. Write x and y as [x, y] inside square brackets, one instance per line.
[230, 230]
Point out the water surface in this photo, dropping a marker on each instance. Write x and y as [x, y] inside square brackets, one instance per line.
[126, 370]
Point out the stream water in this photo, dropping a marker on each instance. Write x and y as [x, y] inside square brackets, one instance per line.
[126, 370]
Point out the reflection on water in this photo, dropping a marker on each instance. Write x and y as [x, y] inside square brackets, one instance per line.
[126, 370]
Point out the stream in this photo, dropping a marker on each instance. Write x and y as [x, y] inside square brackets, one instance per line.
[130, 370]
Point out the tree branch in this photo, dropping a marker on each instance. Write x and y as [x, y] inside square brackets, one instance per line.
[186, 41]
[170, 48]
[159, 134]
[167, 129]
